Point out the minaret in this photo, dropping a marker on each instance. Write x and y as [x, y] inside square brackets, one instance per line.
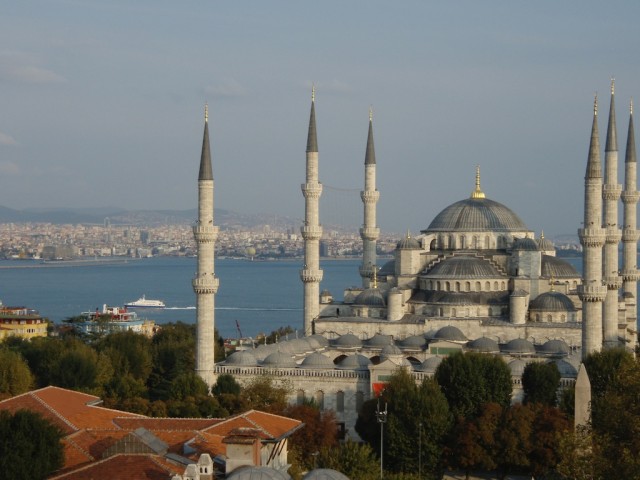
[630, 197]
[369, 231]
[311, 275]
[592, 236]
[610, 196]
[205, 284]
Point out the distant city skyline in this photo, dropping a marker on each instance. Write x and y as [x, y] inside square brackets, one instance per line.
[103, 102]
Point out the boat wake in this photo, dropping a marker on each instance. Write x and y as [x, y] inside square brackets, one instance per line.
[179, 308]
[264, 309]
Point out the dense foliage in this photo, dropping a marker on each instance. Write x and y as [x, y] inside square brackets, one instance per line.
[540, 382]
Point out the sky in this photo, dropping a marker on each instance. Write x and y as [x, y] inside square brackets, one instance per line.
[102, 102]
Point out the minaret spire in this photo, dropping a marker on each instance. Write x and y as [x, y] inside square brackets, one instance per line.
[477, 193]
[205, 283]
[311, 275]
[592, 237]
[370, 196]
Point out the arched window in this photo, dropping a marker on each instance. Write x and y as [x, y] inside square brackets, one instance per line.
[451, 242]
[487, 242]
[463, 242]
[440, 312]
[457, 286]
[563, 318]
[453, 312]
[478, 286]
[340, 402]
[438, 285]
[487, 286]
[467, 286]
[319, 397]
[447, 286]
[504, 285]
[495, 285]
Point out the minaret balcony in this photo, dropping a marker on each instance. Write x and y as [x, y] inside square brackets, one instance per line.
[611, 192]
[308, 275]
[367, 271]
[592, 237]
[205, 233]
[311, 232]
[370, 196]
[205, 284]
[369, 233]
[630, 275]
[613, 235]
[630, 235]
[595, 293]
[613, 282]
[311, 190]
[630, 197]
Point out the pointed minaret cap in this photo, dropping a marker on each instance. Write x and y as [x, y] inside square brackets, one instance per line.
[594, 167]
[312, 137]
[370, 156]
[206, 173]
[630, 156]
[477, 193]
[612, 134]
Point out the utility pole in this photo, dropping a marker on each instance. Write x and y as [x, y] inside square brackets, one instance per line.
[381, 417]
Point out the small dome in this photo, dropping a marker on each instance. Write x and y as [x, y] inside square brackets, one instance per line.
[463, 267]
[450, 333]
[390, 350]
[519, 346]
[517, 367]
[554, 267]
[545, 244]
[354, 362]
[430, 365]
[555, 348]
[279, 360]
[525, 244]
[242, 358]
[258, 473]
[415, 341]
[317, 360]
[388, 268]
[484, 345]
[324, 474]
[317, 341]
[371, 297]
[348, 340]
[566, 369]
[552, 302]
[408, 243]
[379, 340]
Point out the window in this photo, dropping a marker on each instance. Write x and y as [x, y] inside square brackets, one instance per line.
[340, 401]
[320, 399]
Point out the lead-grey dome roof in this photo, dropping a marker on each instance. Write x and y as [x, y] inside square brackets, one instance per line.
[317, 360]
[525, 244]
[241, 358]
[348, 340]
[408, 243]
[555, 348]
[450, 333]
[354, 362]
[380, 340]
[463, 267]
[430, 365]
[279, 360]
[371, 297]
[324, 474]
[414, 341]
[519, 346]
[258, 473]
[553, 267]
[476, 215]
[552, 302]
[484, 345]
[517, 367]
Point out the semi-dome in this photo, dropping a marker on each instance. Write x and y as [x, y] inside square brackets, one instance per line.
[242, 358]
[517, 367]
[388, 268]
[371, 297]
[519, 346]
[552, 302]
[554, 267]
[258, 473]
[463, 267]
[317, 360]
[279, 360]
[476, 215]
[566, 369]
[324, 474]
[354, 362]
[451, 334]
[526, 244]
[484, 345]
[430, 365]
[348, 340]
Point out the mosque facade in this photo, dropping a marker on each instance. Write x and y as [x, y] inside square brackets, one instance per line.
[475, 279]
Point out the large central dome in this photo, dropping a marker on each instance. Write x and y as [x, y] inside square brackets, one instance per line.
[476, 215]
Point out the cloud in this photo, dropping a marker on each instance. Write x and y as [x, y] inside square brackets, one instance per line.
[21, 68]
[9, 168]
[7, 139]
[227, 88]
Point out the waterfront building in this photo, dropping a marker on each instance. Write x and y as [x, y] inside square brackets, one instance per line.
[111, 320]
[21, 322]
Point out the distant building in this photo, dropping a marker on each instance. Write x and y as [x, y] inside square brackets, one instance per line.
[112, 319]
[21, 322]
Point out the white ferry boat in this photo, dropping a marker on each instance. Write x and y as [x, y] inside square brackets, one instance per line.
[143, 302]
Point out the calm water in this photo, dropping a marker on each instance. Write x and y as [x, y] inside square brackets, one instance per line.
[261, 296]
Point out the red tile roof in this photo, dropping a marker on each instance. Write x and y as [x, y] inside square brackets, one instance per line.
[271, 426]
[130, 467]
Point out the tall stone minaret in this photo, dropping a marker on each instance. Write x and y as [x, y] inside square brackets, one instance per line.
[630, 197]
[369, 231]
[592, 236]
[611, 196]
[311, 275]
[205, 284]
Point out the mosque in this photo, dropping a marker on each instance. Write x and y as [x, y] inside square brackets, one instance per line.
[475, 279]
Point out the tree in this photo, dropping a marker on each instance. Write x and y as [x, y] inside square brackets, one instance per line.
[129, 353]
[319, 430]
[262, 393]
[540, 382]
[30, 445]
[469, 380]
[15, 376]
[355, 460]
[603, 368]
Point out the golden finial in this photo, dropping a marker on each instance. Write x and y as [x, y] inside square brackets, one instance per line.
[206, 112]
[313, 92]
[375, 277]
[631, 106]
[408, 234]
[477, 193]
[370, 113]
[595, 105]
[613, 85]
[541, 234]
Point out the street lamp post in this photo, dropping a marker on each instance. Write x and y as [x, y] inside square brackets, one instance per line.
[381, 417]
[420, 451]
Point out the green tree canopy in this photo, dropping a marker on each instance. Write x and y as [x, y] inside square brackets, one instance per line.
[355, 460]
[320, 430]
[15, 376]
[540, 382]
[263, 393]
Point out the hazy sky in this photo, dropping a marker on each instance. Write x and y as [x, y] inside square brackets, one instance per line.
[102, 102]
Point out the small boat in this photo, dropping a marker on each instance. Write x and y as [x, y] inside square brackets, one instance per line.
[143, 302]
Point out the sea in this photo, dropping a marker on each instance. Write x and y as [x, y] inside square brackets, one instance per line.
[260, 296]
